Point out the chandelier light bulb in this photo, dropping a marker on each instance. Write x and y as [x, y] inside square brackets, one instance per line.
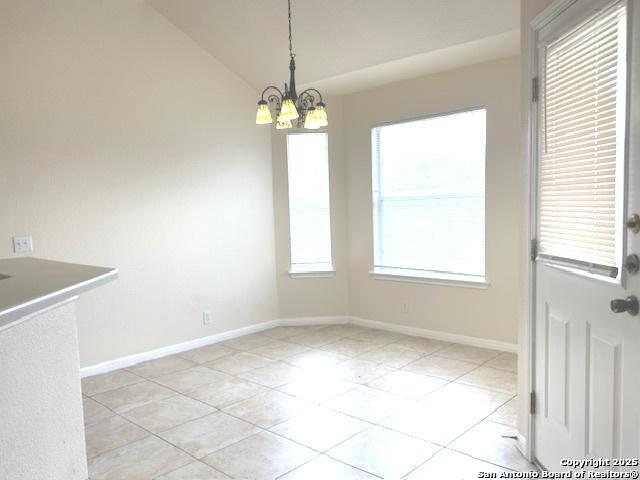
[263, 116]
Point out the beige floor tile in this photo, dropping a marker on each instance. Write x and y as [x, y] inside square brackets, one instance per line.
[485, 441]
[345, 330]
[326, 468]
[507, 414]
[368, 404]
[317, 388]
[446, 413]
[207, 434]
[108, 381]
[207, 353]
[348, 347]
[144, 459]
[320, 428]
[442, 367]
[110, 433]
[434, 423]
[377, 337]
[504, 361]
[280, 350]
[314, 338]
[492, 378]
[394, 356]
[280, 333]
[127, 398]
[260, 456]
[247, 342]
[194, 471]
[191, 378]
[407, 384]
[238, 363]
[451, 465]
[269, 408]
[383, 452]
[480, 401]
[226, 392]
[168, 413]
[161, 366]
[468, 353]
[424, 345]
[94, 412]
[359, 371]
[275, 375]
[316, 360]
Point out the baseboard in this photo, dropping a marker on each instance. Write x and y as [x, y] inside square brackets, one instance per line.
[521, 444]
[123, 362]
[130, 360]
[436, 335]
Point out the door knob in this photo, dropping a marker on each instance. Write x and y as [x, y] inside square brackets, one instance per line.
[629, 304]
[633, 223]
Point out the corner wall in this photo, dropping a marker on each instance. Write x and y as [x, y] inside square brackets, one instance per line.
[124, 144]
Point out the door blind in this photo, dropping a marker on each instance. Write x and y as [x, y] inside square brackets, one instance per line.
[582, 126]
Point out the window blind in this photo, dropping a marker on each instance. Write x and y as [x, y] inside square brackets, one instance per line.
[582, 126]
[309, 217]
[429, 197]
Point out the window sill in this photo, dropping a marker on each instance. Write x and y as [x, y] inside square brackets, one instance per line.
[449, 280]
[312, 274]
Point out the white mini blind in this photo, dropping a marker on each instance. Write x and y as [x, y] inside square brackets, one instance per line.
[309, 217]
[429, 197]
[582, 142]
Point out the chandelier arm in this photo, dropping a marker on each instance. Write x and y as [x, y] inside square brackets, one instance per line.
[312, 90]
[272, 87]
[275, 99]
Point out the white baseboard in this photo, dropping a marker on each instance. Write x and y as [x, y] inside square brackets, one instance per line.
[130, 360]
[123, 362]
[437, 335]
[521, 444]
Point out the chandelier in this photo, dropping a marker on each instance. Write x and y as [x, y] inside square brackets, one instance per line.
[307, 110]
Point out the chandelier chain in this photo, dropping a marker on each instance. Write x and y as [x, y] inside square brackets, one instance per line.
[290, 35]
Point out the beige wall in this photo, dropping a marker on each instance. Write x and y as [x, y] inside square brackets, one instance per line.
[124, 144]
[303, 297]
[490, 313]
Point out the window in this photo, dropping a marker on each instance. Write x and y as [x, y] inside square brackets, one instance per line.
[429, 197]
[582, 144]
[309, 217]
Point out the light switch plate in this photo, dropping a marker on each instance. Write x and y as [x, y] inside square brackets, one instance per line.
[23, 244]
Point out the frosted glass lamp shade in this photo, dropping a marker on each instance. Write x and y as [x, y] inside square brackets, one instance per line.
[320, 115]
[263, 116]
[310, 122]
[289, 110]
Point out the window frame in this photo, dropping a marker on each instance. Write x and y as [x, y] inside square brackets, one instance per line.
[310, 273]
[423, 276]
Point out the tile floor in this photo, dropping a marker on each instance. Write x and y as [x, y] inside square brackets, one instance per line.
[320, 402]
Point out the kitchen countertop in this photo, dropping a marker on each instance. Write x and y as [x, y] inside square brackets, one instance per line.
[30, 284]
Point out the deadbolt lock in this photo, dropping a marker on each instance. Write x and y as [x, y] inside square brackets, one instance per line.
[633, 223]
[632, 263]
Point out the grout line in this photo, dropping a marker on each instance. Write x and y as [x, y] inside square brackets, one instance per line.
[311, 403]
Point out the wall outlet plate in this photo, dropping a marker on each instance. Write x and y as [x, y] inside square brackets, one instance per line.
[207, 319]
[23, 244]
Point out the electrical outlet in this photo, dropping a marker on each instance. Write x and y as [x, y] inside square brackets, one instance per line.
[23, 244]
[207, 319]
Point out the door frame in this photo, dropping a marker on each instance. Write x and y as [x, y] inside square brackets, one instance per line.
[526, 442]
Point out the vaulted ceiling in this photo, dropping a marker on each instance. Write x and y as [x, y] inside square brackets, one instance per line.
[345, 45]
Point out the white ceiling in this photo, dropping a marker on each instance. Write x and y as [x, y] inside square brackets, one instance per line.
[346, 45]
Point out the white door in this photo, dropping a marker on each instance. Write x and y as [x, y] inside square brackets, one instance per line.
[587, 358]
